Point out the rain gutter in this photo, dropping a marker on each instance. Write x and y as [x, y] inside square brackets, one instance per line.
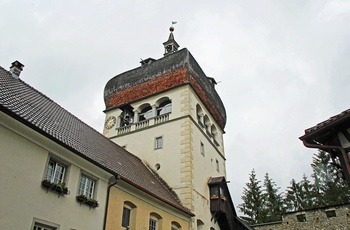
[112, 181]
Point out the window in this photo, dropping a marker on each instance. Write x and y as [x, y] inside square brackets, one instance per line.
[202, 149]
[207, 125]
[145, 114]
[301, 217]
[159, 143]
[153, 224]
[55, 172]
[39, 224]
[175, 225]
[164, 107]
[126, 217]
[155, 221]
[330, 213]
[217, 166]
[86, 186]
[200, 115]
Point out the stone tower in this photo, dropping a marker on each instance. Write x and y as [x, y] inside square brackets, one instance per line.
[168, 113]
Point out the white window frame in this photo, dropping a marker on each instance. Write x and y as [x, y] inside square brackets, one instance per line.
[153, 223]
[159, 142]
[39, 224]
[55, 171]
[87, 186]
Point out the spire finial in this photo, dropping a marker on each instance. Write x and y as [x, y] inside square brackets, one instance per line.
[171, 45]
[172, 26]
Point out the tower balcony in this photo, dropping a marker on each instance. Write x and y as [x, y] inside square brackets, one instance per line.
[142, 124]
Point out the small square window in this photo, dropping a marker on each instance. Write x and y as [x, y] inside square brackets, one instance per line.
[86, 186]
[159, 143]
[202, 149]
[301, 218]
[331, 213]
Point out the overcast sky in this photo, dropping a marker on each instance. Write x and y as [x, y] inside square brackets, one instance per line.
[282, 66]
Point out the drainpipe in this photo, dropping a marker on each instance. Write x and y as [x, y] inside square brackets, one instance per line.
[344, 158]
[112, 181]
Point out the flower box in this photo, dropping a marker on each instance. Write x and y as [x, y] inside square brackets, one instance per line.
[88, 201]
[57, 187]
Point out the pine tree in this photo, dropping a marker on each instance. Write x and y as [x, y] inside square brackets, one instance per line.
[274, 203]
[253, 199]
[330, 189]
[293, 198]
[308, 195]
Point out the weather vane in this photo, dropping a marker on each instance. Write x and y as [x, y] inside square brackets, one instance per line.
[172, 26]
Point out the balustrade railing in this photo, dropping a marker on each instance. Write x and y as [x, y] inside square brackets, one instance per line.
[141, 124]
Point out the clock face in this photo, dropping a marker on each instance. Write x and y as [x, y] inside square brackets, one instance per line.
[110, 122]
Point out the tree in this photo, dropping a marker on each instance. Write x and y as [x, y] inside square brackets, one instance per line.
[330, 188]
[253, 199]
[308, 194]
[300, 195]
[294, 197]
[273, 208]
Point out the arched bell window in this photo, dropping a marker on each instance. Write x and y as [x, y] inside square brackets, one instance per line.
[146, 112]
[164, 107]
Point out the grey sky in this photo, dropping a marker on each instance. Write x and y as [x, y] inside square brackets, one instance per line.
[283, 66]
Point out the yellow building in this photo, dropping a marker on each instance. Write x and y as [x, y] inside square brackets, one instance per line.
[131, 208]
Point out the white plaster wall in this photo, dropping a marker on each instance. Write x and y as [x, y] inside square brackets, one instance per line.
[24, 155]
[142, 144]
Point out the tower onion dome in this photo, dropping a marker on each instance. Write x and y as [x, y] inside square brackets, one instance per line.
[172, 70]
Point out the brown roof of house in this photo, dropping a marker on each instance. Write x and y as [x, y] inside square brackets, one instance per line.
[34, 109]
[327, 124]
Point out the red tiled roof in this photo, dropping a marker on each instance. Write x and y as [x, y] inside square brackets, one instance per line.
[34, 109]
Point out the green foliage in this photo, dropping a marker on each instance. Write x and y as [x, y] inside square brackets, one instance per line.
[329, 187]
[273, 208]
[263, 205]
[253, 199]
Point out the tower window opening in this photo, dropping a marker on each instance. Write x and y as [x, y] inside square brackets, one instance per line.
[202, 149]
[207, 125]
[145, 114]
[164, 107]
[127, 116]
[217, 166]
[200, 115]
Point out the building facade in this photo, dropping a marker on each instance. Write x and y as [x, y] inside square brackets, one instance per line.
[168, 113]
[59, 173]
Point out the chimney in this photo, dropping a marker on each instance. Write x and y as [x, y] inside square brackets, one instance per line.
[16, 69]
